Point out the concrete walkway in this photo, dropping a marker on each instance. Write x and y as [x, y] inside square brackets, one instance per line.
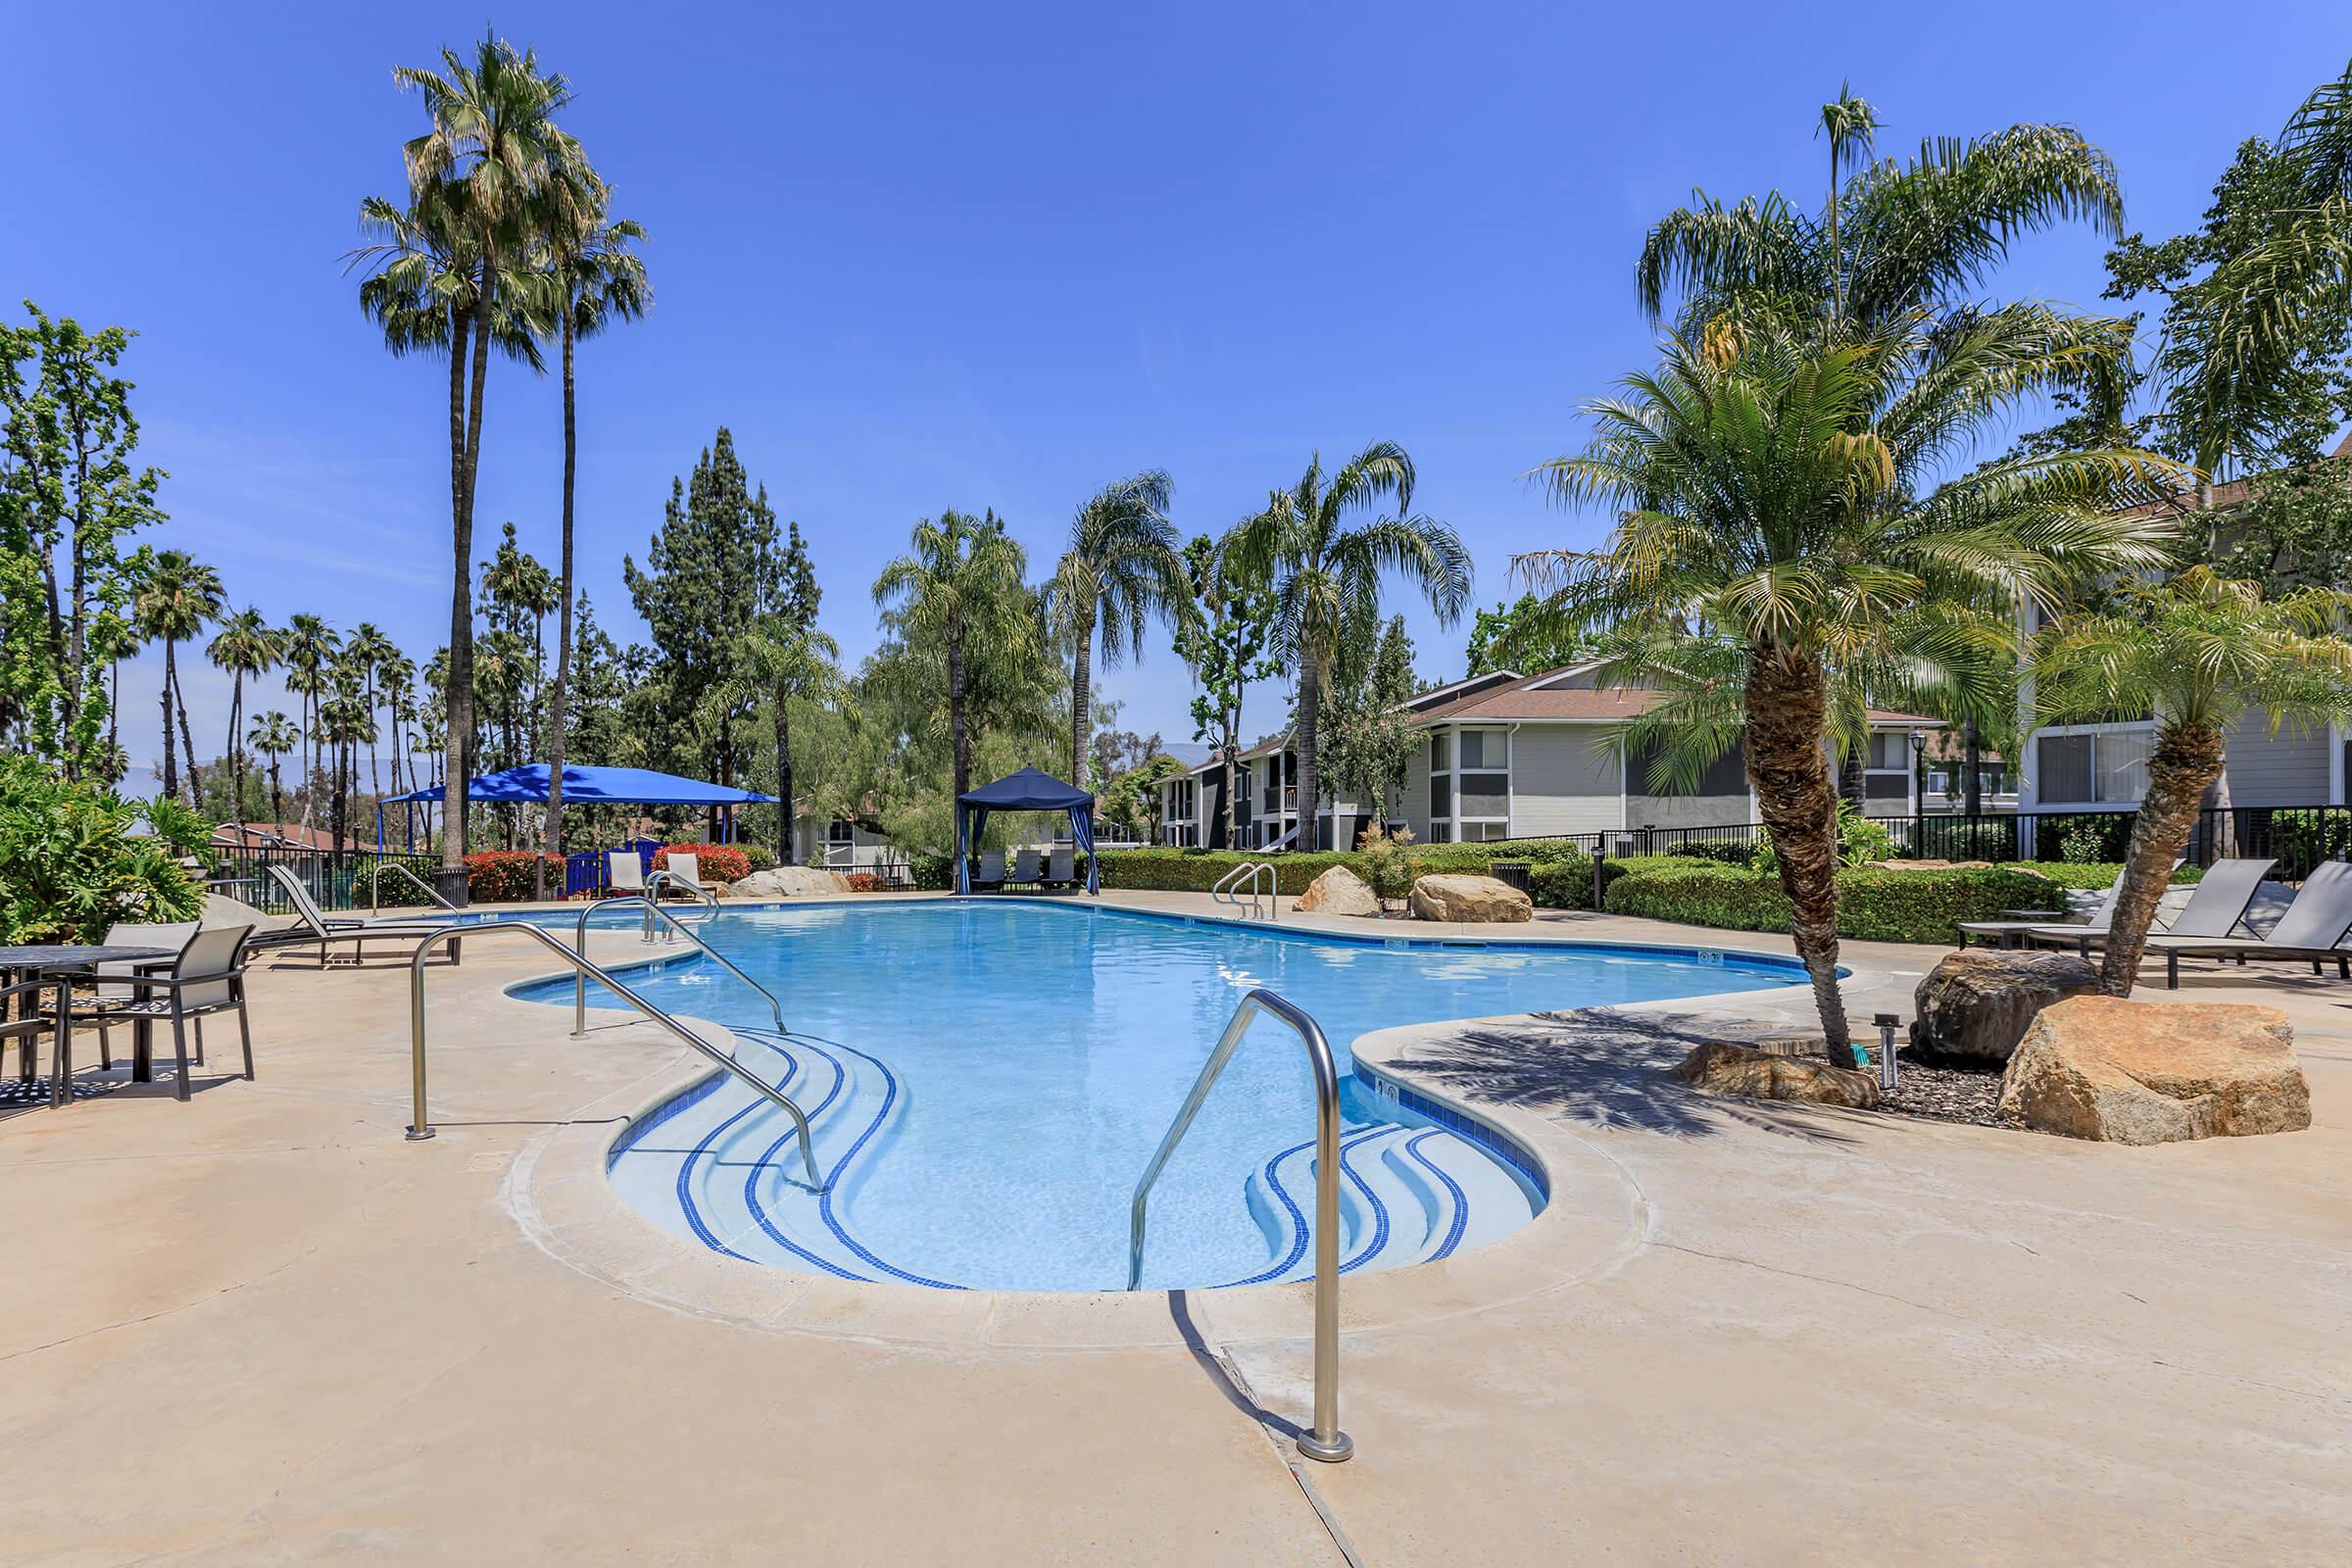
[261, 1327]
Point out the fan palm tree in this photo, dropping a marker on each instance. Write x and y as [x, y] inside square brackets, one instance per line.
[596, 280]
[311, 646]
[245, 645]
[490, 177]
[1786, 500]
[1123, 567]
[959, 589]
[367, 650]
[2201, 651]
[176, 597]
[396, 675]
[1325, 575]
[779, 662]
[274, 735]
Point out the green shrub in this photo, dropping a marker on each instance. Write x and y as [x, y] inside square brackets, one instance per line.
[1561, 884]
[503, 876]
[377, 883]
[1387, 865]
[713, 863]
[2091, 839]
[931, 872]
[1174, 870]
[1874, 904]
[1860, 842]
[70, 867]
[2097, 876]
[758, 857]
[1728, 852]
[2303, 838]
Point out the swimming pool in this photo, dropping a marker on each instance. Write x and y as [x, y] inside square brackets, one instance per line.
[986, 1079]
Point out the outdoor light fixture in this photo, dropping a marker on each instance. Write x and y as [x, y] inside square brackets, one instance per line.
[1885, 1023]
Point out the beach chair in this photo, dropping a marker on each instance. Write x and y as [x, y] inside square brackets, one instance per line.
[2310, 930]
[2014, 932]
[1061, 867]
[624, 871]
[991, 873]
[2214, 909]
[312, 927]
[1025, 869]
[686, 871]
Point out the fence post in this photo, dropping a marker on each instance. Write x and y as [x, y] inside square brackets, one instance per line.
[1600, 853]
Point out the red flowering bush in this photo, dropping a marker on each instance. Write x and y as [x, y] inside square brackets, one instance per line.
[865, 882]
[503, 876]
[716, 862]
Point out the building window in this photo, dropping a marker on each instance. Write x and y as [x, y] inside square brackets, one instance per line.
[1469, 785]
[2098, 767]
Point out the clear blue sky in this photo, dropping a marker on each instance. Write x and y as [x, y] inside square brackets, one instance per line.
[937, 256]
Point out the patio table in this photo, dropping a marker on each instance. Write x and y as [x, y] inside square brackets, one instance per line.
[64, 964]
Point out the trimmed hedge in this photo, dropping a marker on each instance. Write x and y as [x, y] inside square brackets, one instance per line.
[713, 863]
[503, 876]
[1874, 904]
[1560, 875]
[2096, 877]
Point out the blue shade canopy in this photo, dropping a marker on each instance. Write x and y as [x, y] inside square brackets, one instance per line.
[1028, 789]
[597, 786]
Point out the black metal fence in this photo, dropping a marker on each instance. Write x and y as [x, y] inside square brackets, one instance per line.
[336, 879]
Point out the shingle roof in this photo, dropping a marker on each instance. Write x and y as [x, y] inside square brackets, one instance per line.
[1574, 704]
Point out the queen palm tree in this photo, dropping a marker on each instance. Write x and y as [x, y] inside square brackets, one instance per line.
[1785, 497]
[779, 661]
[2201, 651]
[397, 677]
[367, 652]
[272, 735]
[959, 589]
[311, 646]
[1123, 567]
[245, 645]
[489, 182]
[596, 281]
[1325, 575]
[176, 597]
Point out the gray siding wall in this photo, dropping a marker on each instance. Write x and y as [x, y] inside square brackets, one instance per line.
[2289, 768]
[1688, 811]
[1416, 793]
[1562, 781]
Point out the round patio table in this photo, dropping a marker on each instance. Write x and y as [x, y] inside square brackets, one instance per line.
[64, 964]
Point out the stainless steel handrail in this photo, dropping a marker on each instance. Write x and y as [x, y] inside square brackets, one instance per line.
[579, 944]
[1273, 894]
[656, 881]
[1221, 892]
[1325, 1441]
[375, 886]
[422, 1127]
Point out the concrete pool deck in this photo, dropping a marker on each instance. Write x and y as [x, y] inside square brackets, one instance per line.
[261, 1327]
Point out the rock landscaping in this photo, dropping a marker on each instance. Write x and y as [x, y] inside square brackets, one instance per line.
[1338, 890]
[1469, 900]
[2144, 1072]
[790, 882]
[1721, 1068]
[1976, 1005]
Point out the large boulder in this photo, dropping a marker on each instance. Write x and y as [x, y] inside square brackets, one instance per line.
[1975, 1006]
[2153, 1072]
[1469, 899]
[1752, 1074]
[1338, 890]
[791, 882]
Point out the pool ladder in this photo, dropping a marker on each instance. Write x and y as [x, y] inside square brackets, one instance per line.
[1261, 900]
[1325, 1441]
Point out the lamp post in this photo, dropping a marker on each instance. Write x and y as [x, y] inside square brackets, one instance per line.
[1919, 794]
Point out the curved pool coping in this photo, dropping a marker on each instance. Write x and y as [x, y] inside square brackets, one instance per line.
[1593, 1219]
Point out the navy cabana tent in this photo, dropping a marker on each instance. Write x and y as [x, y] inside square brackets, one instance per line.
[1026, 790]
[586, 786]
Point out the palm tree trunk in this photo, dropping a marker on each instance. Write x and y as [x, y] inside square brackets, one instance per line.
[465, 433]
[1788, 713]
[1310, 717]
[1082, 697]
[1854, 781]
[170, 767]
[278, 796]
[1972, 765]
[783, 782]
[2187, 760]
[958, 746]
[555, 712]
[187, 742]
[236, 757]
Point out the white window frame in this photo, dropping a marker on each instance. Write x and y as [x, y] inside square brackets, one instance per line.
[1449, 828]
[2141, 727]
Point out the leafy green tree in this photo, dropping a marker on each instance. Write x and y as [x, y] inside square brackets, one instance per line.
[369, 650]
[709, 573]
[272, 735]
[177, 597]
[491, 179]
[597, 281]
[2201, 650]
[245, 645]
[1786, 501]
[1228, 643]
[1522, 636]
[1325, 575]
[73, 863]
[779, 664]
[961, 591]
[1122, 569]
[311, 646]
[70, 497]
[1370, 739]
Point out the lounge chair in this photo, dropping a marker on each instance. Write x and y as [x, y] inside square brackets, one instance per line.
[2311, 929]
[991, 873]
[1025, 869]
[2216, 906]
[686, 871]
[208, 978]
[312, 927]
[1061, 867]
[2011, 933]
[624, 871]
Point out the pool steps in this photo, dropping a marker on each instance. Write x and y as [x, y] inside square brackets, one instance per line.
[710, 1167]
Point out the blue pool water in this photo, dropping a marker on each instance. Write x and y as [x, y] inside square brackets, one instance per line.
[988, 1078]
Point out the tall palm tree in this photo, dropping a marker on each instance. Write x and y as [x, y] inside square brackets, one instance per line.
[1785, 499]
[245, 645]
[779, 662]
[597, 281]
[959, 589]
[311, 646]
[2200, 651]
[397, 675]
[1325, 575]
[494, 164]
[367, 650]
[344, 721]
[272, 735]
[1123, 567]
[177, 596]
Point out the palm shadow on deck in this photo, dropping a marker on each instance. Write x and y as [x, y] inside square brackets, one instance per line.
[1607, 1069]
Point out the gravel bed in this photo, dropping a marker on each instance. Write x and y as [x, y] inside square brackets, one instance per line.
[1944, 1093]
